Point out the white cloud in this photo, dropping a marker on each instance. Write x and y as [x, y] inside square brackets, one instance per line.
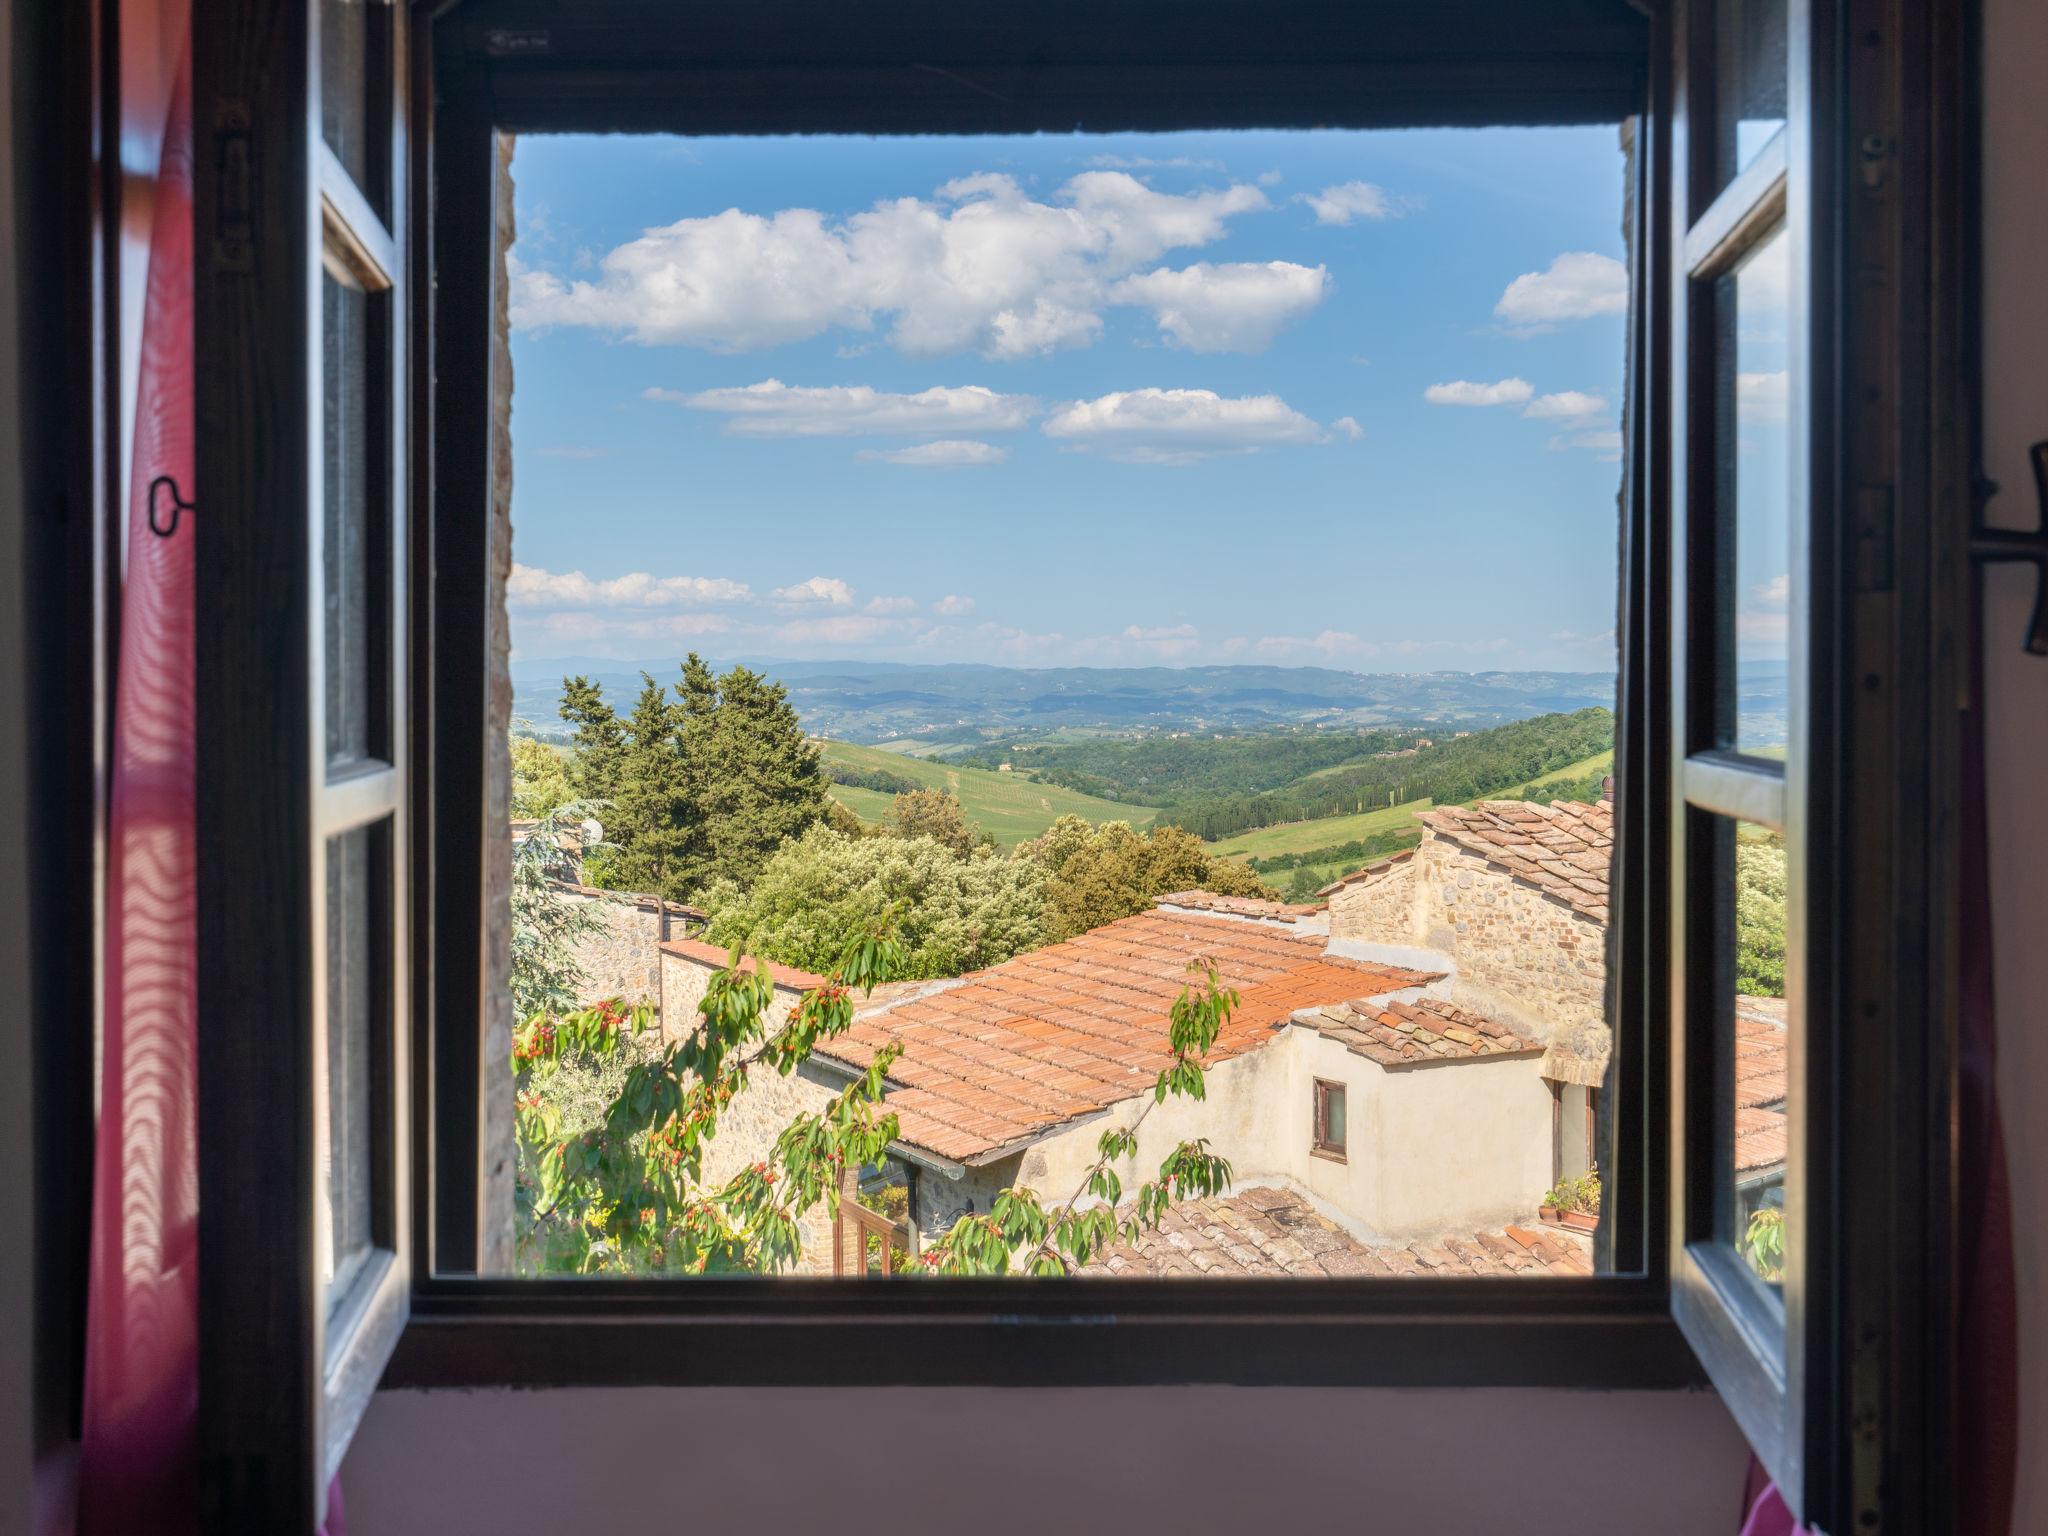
[1329, 642]
[1576, 286]
[1163, 642]
[818, 589]
[1775, 593]
[1238, 306]
[953, 606]
[980, 266]
[772, 408]
[1178, 426]
[1762, 397]
[1566, 405]
[1347, 427]
[946, 453]
[1465, 392]
[1350, 200]
[839, 629]
[531, 587]
[891, 605]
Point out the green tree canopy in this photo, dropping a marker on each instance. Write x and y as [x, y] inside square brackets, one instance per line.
[936, 814]
[824, 889]
[540, 778]
[1096, 875]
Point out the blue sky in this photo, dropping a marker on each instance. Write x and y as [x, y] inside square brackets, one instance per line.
[1348, 399]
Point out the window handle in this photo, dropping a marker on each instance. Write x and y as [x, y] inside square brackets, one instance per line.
[1988, 545]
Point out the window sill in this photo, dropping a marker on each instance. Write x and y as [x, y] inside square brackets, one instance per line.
[1604, 1333]
[1328, 1156]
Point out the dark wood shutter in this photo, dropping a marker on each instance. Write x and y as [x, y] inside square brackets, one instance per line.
[305, 1268]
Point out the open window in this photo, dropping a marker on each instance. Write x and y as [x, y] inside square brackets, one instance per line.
[1776, 546]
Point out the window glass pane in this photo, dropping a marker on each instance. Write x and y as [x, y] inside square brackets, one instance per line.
[1750, 50]
[355, 92]
[354, 1006]
[1754, 1173]
[1754, 436]
[881, 558]
[353, 502]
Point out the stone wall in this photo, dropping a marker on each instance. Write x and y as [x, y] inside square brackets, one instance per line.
[495, 1194]
[750, 1124]
[1526, 954]
[623, 958]
[1377, 907]
[1509, 937]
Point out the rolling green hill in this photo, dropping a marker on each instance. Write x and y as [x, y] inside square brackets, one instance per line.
[1010, 807]
[1326, 832]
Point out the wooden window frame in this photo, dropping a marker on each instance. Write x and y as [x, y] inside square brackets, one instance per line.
[1845, 1384]
[1877, 1337]
[1320, 1144]
[520, 67]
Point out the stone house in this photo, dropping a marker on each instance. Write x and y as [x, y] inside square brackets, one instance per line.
[1510, 899]
[1355, 1086]
[622, 956]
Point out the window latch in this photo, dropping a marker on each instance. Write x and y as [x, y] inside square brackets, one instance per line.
[163, 527]
[2005, 545]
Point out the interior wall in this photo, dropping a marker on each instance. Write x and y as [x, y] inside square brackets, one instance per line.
[1191, 1461]
[2016, 684]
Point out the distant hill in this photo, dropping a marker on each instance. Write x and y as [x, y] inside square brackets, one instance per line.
[935, 708]
[1010, 807]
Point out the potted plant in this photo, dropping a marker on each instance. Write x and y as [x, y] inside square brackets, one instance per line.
[1574, 1203]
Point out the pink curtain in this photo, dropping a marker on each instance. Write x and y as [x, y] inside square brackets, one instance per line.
[138, 1462]
[138, 1466]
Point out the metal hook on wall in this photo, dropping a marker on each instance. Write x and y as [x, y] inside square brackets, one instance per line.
[2004, 545]
[163, 529]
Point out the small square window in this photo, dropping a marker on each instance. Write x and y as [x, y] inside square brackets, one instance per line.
[1329, 1131]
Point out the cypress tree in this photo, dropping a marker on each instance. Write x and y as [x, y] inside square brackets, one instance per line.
[600, 740]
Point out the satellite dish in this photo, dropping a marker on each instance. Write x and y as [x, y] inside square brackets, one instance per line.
[593, 831]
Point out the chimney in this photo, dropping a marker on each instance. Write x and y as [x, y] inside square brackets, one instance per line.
[1607, 789]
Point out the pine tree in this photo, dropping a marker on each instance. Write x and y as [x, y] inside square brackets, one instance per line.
[760, 781]
[651, 811]
[600, 740]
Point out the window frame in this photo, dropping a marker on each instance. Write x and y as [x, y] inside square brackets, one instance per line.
[1320, 1144]
[511, 65]
[515, 65]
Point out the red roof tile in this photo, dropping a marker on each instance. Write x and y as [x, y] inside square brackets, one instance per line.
[1564, 849]
[1371, 871]
[1011, 1052]
[1275, 1232]
[1240, 906]
[711, 955]
[1431, 1030]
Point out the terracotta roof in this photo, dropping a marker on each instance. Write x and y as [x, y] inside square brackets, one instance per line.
[711, 955]
[1377, 867]
[1415, 1034]
[1239, 906]
[1564, 849]
[1760, 1141]
[1016, 1050]
[1262, 1232]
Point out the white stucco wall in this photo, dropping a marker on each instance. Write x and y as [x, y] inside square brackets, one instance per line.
[1451, 1147]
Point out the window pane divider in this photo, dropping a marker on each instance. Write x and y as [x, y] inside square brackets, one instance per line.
[1729, 784]
[353, 225]
[1747, 207]
[360, 797]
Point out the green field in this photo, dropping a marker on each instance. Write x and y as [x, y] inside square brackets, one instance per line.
[1009, 807]
[1602, 762]
[1307, 836]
